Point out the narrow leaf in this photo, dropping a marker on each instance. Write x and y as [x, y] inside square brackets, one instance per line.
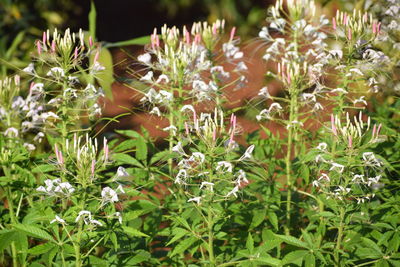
[126, 159]
[41, 249]
[133, 232]
[295, 257]
[184, 245]
[33, 231]
[92, 20]
[135, 41]
[292, 241]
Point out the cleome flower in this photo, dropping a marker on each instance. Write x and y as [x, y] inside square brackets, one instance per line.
[58, 220]
[108, 195]
[56, 188]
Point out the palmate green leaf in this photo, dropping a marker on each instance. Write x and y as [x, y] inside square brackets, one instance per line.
[161, 156]
[394, 243]
[41, 249]
[130, 215]
[267, 261]
[368, 253]
[143, 40]
[51, 254]
[125, 145]
[140, 256]
[273, 219]
[114, 240]
[33, 231]
[6, 237]
[181, 221]
[268, 245]
[295, 257]
[292, 241]
[106, 76]
[129, 133]
[68, 249]
[141, 149]
[133, 232]
[250, 243]
[14, 45]
[309, 260]
[371, 244]
[96, 261]
[44, 168]
[21, 244]
[258, 218]
[126, 159]
[178, 234]
[184, 245]
[92, 20]
[395, 263]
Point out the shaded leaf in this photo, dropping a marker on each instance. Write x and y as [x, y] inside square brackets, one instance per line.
[33, 231]
[133, 232]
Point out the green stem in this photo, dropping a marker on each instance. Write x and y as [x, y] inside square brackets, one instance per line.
[288, 161]
[367, 263]
[77, 243]
[62, 258]
[340, 236]
[210, 223]
[77, 246]
[13, 219]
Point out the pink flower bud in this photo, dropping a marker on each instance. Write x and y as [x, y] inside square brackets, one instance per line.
[153, 42]
[233, 127]
[233, 31]
[93, 167]
[197, 38]
[76, 53]
[350, 141]
[186, 128]
[44, 39]
[187, 37]
[349, 34]
[96, 56]
[106, 152]
[373, 131]
[90, 41]
[333, 125]
[53, 46]
[379, 129]
[378, 28]
[345, 19]
[334, 23]
[17, 79]
[214, 135]
[59, 156]
[214, 29]
[39, 47]
[374, 27]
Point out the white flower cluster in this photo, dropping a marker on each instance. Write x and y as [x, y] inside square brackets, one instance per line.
[109, 195]
[199, 171]
[300, 56]
[359, 173]
[182, 60]
[56, 188]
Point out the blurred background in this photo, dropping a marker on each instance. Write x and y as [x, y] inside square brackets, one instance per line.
[23, 21]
